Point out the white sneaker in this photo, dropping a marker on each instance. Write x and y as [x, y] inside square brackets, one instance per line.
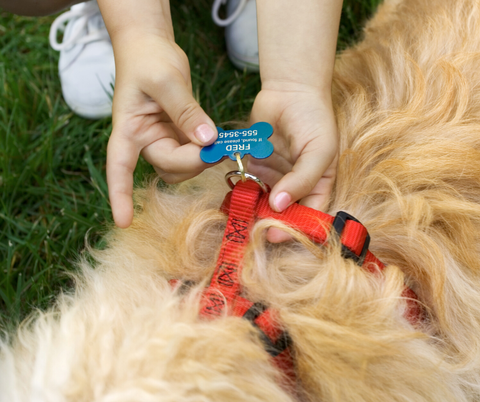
[87, 65]
[240, 32]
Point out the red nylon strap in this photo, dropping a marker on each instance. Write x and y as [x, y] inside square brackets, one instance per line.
[225, 285]
[317, 225]
[244, 205]
[223, 293]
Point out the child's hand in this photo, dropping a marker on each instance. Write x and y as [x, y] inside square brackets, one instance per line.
[297, 54]
[303, 165]
[155, 114]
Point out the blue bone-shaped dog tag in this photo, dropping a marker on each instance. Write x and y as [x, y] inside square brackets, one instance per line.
[246, 141]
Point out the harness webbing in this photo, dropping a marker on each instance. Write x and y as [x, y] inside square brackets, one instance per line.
[244, 205]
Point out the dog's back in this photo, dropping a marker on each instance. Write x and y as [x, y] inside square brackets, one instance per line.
[408, 109]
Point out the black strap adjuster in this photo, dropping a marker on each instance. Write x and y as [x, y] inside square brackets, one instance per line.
[338, 225]
[272, 348]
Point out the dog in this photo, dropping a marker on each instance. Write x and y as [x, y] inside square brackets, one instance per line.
[407, 102]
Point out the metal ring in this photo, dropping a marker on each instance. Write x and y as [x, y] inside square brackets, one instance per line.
[241, 169]
[248, 176]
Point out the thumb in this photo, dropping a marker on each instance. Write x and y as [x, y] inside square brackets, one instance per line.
[177, 101]
[311, 180]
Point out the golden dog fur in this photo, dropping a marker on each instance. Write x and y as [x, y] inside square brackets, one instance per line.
[408, 105]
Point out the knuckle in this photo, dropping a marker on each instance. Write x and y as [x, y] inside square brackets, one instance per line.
[162, 80]
[170, 178]
[166, 176]
[186, 114]
[159, 80]
[165, 170]
[182, 56]
[304, 184]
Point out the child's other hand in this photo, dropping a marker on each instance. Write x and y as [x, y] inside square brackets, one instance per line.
[154, 114]
[303, 165]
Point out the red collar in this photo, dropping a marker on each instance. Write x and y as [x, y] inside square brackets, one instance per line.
[244, 205]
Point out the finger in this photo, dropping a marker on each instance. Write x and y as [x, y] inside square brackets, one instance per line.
[275, 235]
[317, 199]
[122, 157]
[169, 156]
[303, 179]
[177, 100]
[320, 195]
[270, 170]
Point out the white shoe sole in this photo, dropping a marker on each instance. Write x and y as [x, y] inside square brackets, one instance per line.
[251, 65]
[92, 113]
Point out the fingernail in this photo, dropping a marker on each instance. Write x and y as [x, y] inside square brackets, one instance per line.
[204, 133]
[282, 201]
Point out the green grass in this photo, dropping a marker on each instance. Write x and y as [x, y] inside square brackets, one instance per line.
[52, 163]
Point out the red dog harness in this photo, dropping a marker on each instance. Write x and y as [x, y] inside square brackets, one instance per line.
[248, 203]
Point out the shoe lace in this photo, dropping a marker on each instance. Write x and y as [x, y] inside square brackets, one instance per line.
[227, 21]
[77, 36]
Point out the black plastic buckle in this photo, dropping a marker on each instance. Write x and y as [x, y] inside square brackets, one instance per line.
[338, 225]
